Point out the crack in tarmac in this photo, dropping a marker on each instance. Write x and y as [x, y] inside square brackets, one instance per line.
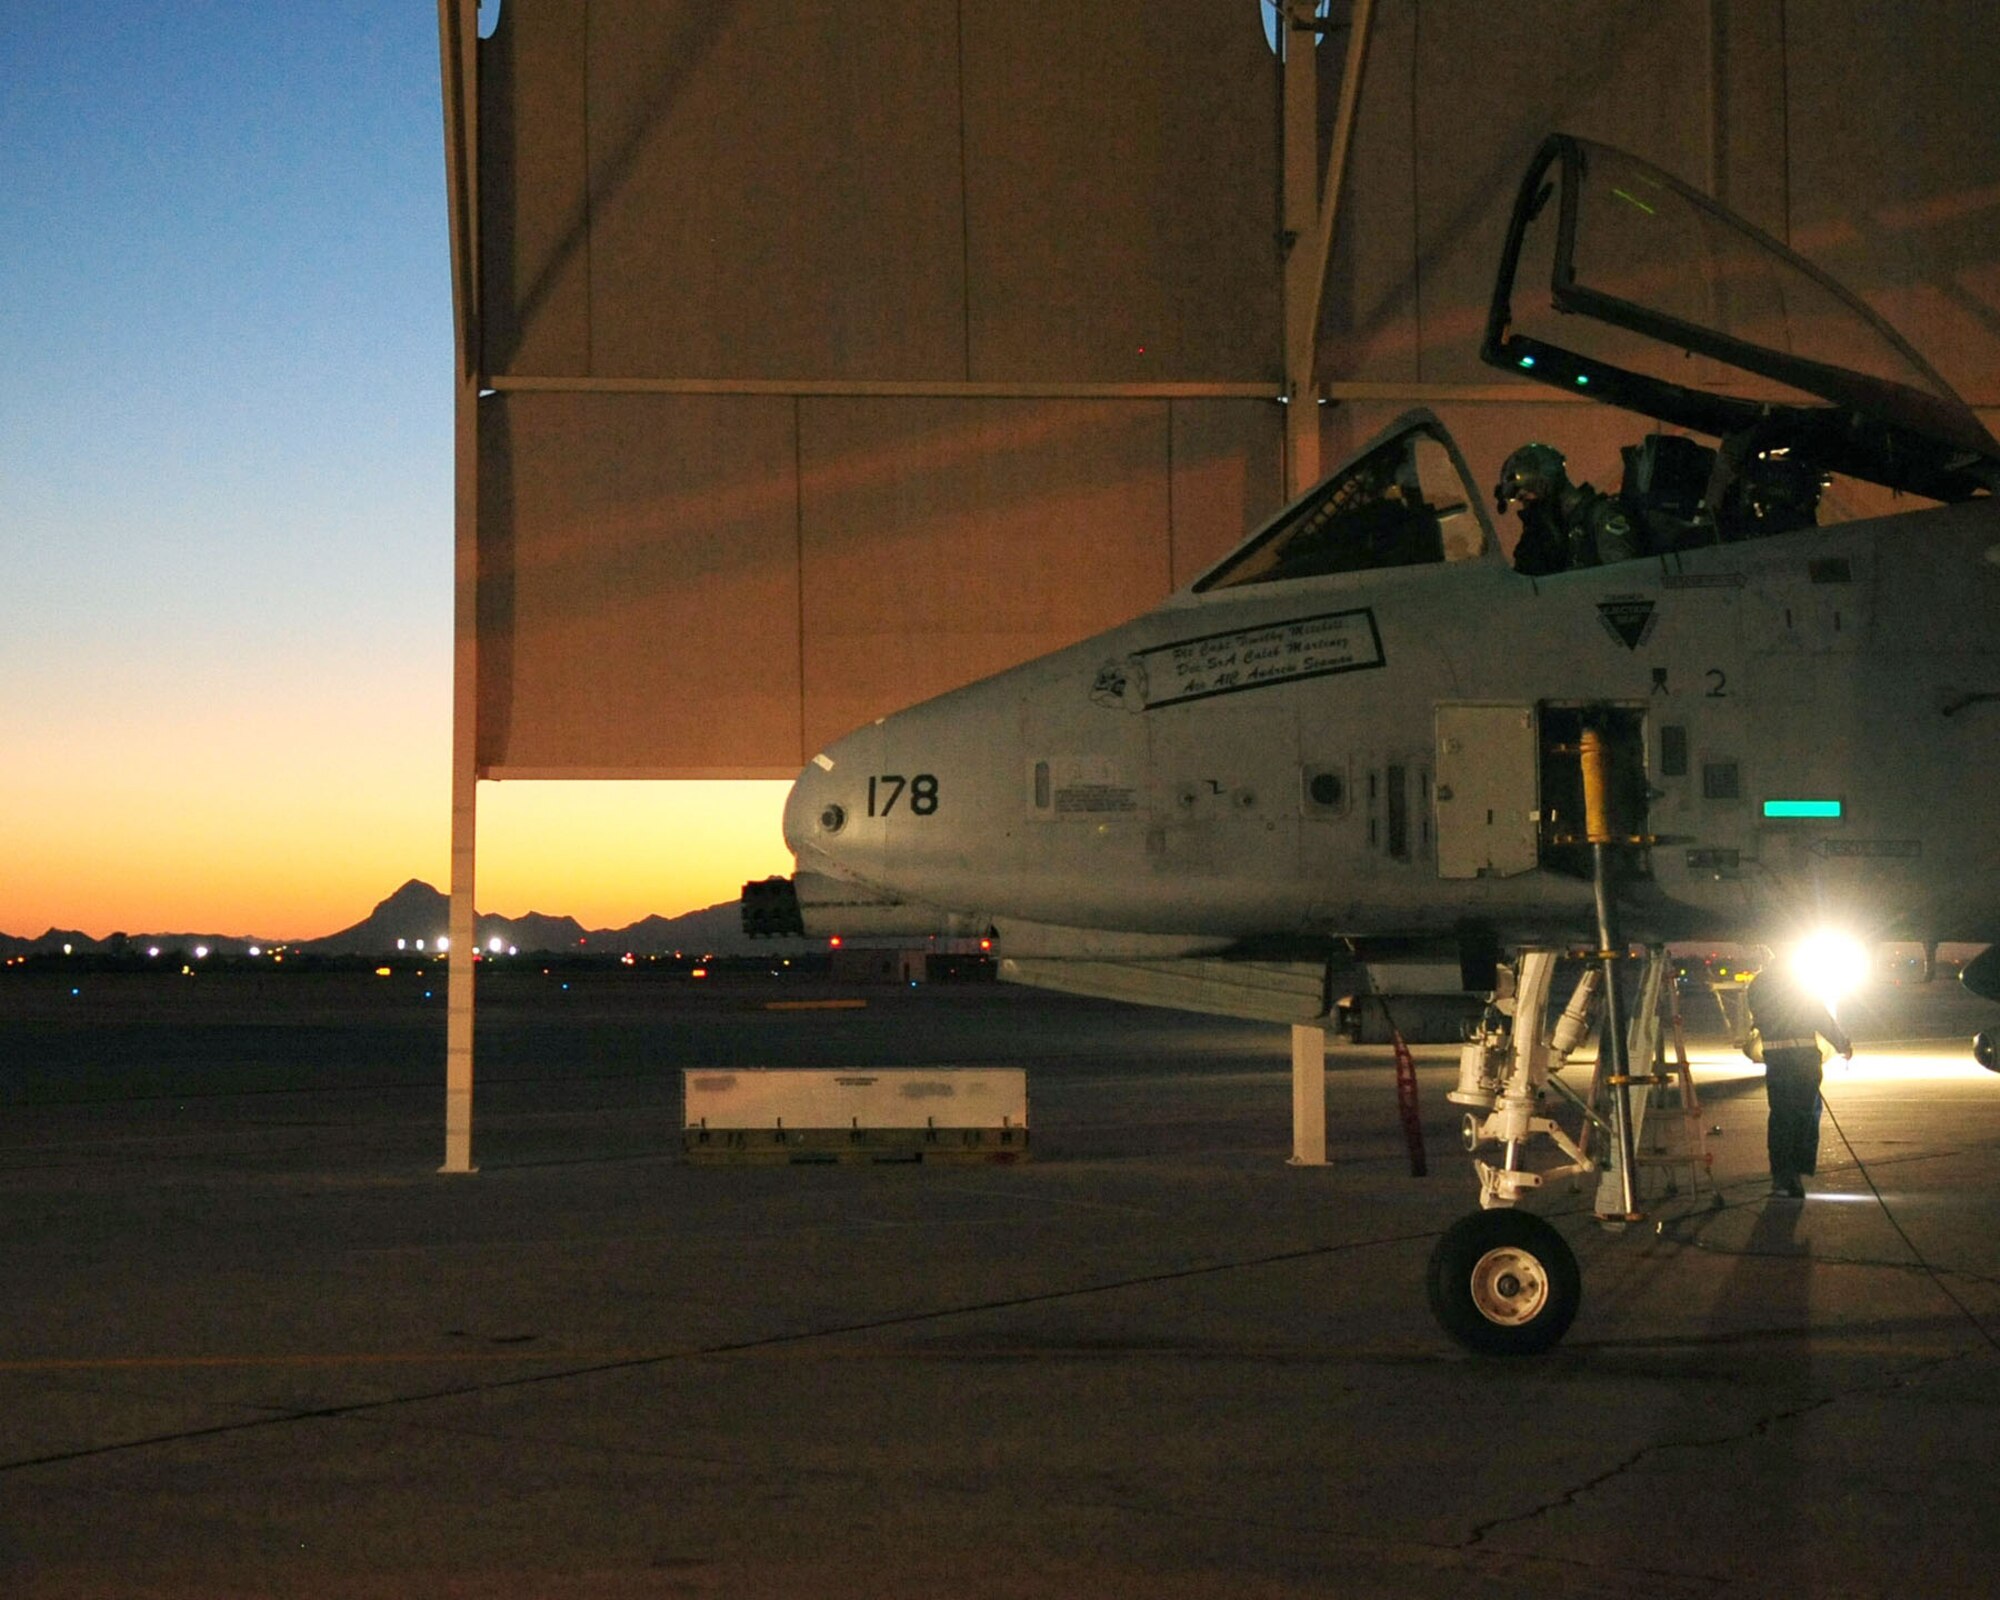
[733, 1347]
[1479, 1533]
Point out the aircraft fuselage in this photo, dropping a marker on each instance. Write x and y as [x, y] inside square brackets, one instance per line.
[1388, 752]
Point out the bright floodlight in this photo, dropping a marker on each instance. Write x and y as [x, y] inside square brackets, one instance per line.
[496, 944]
[1832, 965]
[442, 944]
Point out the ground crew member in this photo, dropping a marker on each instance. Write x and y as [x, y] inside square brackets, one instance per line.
[1563, 524]
[1790, 1022]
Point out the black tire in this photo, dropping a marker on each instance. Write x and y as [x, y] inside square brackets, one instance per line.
[1504, 1283]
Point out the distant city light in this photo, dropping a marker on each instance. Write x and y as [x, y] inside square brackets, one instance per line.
[512, 950]
[495, 944]
[255, 951]
[152, 949]
[402, 944]
[382, 972]
[200, 951]
[67, 949]
[442, 944]
[420, 945]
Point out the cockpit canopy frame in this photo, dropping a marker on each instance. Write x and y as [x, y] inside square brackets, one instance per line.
[1907, 432]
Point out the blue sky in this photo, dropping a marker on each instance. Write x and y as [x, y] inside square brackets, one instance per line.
[226, 475]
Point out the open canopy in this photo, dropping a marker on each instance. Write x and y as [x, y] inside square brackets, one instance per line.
[1665, 303]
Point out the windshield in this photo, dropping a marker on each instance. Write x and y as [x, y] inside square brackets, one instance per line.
[1402, 503]
[1661, 301]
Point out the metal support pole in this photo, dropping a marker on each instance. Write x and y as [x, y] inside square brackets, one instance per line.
[1596, 758]
[1301, 223]
[1308, 1095]
[458, 57]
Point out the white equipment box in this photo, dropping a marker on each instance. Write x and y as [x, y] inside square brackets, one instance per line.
[809, 1115]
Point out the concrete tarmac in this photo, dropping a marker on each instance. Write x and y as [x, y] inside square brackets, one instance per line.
[255, 1345]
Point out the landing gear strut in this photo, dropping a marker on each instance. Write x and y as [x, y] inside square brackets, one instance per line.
[1503, 1282]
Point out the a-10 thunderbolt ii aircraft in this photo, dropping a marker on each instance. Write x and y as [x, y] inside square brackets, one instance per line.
[1366, 730]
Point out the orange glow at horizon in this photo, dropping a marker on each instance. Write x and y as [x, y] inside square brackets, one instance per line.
[610, 852]
[135, 845]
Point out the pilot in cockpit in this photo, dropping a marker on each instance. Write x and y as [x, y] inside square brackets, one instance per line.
[1563, 524]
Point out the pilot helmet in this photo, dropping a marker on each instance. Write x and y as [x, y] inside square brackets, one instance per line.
[1533, 472]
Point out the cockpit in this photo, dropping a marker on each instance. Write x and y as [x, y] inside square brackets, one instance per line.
[1404, 502]
[1663, 303]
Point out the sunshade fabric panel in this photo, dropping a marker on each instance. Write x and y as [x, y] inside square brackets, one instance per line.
[638, 586]
[943, 540]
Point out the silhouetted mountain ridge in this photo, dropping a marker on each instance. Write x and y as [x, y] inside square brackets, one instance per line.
[417, 915]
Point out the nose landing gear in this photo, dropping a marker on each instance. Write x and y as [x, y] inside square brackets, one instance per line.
[1504, 1283]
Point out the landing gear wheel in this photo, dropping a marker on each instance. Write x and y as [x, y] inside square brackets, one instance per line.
[1504, 1283]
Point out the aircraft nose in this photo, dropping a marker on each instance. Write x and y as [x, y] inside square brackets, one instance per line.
[821, 827]
[811, 809]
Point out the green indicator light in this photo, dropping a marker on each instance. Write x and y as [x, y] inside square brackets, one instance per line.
[1793, 810]
[1581, 380]
[1527, 361]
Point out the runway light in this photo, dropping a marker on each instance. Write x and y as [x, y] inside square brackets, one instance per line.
[1831, 964]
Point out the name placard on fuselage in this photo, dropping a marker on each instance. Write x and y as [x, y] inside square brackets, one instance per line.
[1254, 658]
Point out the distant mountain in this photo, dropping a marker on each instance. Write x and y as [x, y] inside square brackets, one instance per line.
[57, 939]
[414, 917]
[419, 912]
[417, 915]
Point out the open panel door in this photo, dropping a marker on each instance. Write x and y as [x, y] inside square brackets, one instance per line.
[1488, 774]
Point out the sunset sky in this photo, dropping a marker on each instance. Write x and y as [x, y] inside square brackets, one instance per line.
[225, 496]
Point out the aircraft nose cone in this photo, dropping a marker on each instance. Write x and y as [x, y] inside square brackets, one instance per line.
[812, 814]
[821, 825]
